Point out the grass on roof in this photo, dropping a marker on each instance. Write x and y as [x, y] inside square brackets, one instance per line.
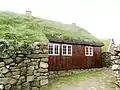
[24, 28]
[106, 45]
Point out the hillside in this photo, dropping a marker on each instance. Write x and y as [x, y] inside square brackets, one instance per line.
[30, 29]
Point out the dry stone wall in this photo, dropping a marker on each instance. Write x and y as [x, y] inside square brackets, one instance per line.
[116, 65]
[24, 69]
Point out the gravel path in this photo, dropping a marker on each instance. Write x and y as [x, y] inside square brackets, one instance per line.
[93, 83]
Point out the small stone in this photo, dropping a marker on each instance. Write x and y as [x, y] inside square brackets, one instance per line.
[35, 88]
[2, 64]
[4, 70]
[42, 70]
[16, 72]
[44, 82]
[4, 80]
[43, 65]
[35, 84]
[19, 59]
[7, 66]
[44, 59]
[7, 87]
[115, 67]
[30, 70]
[9, 74]
[13, 81]
[30, 78]
[26, 86]
[1, 87]
[16, 76]
[23, 71]
[22, 79]
[8, 61]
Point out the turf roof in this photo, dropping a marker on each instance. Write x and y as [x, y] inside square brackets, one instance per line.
[32, 29]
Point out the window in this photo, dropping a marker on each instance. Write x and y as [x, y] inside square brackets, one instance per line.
[66, 49]
[54, 49]
[88, 51]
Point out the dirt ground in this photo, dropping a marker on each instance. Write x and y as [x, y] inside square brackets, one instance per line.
[101, 82]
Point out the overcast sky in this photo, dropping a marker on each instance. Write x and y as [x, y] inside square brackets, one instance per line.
[100, 17]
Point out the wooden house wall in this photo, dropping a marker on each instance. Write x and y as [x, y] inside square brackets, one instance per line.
[77, 60]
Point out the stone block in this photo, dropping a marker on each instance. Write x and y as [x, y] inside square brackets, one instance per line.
[4, 80]
[16, 76]
[2, 64]
[44, 82]
[7, 87]
[16, 72]
[26, 86]
[19, 59]
[44, 60]
[43, 65]
[35, 88]
[22, 79]
[13, 81]
[37, 56]
[9, 74]
[116, 67]
[8, 61]
[30, 78]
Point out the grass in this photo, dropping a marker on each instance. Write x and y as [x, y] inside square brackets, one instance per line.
[72, 78]
[24, 28]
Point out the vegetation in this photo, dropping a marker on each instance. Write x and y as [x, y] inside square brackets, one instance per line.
[70, 79]
[23, 28]
[106, 45]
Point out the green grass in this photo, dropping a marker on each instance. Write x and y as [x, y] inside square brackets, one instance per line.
[24, 28]
[106, 45]
[71, 78]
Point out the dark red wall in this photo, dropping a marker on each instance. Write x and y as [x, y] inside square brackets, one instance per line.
[77, 60]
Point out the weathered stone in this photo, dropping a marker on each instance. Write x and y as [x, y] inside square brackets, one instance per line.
[20, 55]
[9, 74]
[114, 57]
[4, 70]
[35, 84]
[16, 72]
[43, 77]
[2, 64]
[4, 55]
[26, 86]
[117, 61]
[44, 82]
[30, 78]
[22, 64]
[19, 59]
[4, 80]
[1, 76]
[44, 59]
[16, 76]
[13, 64]
[1, 87]
[37, 56]
[7, 87]
[43, 74]
[13, 81]
[23, 71]
[27, 61]
[36, 73]
[35, 88]
[37, 51]
[36, 67]
[7, 66]
[45, 51]
[42, 70]
[43, 65]
[8, 61]
[30, 70]
[16, 87]
[115, 67]
[22, 79]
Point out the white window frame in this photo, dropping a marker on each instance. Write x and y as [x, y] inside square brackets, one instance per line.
[54, 49]
[88, 51]
[66, 50]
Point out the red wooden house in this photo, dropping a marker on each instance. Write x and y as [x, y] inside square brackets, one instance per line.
[79, 51]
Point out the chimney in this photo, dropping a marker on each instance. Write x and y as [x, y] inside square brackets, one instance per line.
[28, 12]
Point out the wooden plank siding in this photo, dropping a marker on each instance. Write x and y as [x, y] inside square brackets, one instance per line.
[77, 60]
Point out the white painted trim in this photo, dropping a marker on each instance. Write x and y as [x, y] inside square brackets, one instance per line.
[88, 51]
[66, 50]
[54, 49]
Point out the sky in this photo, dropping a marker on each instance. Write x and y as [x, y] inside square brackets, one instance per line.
[100, 17]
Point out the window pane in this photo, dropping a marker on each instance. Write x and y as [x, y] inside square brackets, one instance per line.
[87, 51]
[64, 49]
[50, 49]
[56, 49]
[69, 50]
[91, 51]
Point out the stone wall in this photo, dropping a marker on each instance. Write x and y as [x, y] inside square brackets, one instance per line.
[116, 65]
[24, 69]
[106, 59]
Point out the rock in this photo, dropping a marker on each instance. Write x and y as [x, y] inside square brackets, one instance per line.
[2, 64]
[17, 87]
[35, 88]
[22, 64]
[37, 51]
[30, 78]
[37, 56]
[1, 76]
[42, 70]
[4, 70]
[13, 81]
[43, 65]
[9, 74]
[16, 76]
[8, 61]
[16, 72]
[35, 83]
[44, 59]
[1, 87]
[23, 71]
[4, 80]
[30, 70]
[26, 86]
[115, 67]
[22, 79]
[117, 61]
[7, 87]
[27, 61]
[19, 59]
[44, 82]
